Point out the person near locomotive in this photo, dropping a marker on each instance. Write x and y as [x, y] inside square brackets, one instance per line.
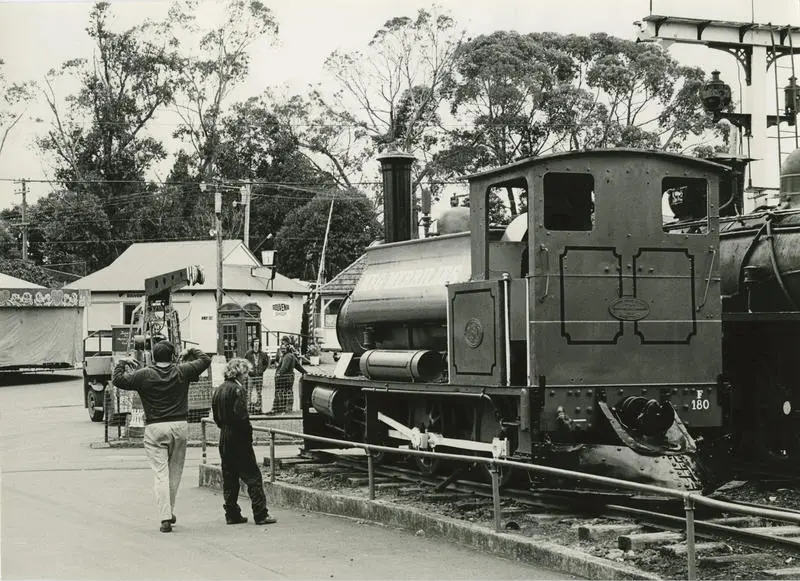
[284, 378]
[260, 361]
[164, 390]
[229, 406]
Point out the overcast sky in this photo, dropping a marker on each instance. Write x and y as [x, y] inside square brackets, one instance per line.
[36, 36]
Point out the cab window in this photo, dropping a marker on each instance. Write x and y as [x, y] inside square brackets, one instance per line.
[568, 201]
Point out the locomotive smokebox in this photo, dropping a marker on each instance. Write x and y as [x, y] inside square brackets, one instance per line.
[397, 206]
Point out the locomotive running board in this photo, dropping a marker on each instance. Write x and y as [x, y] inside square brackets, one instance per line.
[429, 440]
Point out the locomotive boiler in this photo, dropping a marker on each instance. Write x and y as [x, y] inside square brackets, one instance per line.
[585, 335]
[760, 269]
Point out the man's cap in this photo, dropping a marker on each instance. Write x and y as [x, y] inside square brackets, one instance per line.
[163, 351]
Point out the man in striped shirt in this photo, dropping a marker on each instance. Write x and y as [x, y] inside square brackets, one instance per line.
[229, 405]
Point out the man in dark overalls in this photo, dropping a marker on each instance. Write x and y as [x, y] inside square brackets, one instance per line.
[229, 405]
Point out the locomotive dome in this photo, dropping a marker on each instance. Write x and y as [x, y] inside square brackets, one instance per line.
[454, 220]
[790, 178]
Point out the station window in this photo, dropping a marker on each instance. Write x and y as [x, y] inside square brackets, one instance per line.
[127, 313]
[684, 205]
[568, 201]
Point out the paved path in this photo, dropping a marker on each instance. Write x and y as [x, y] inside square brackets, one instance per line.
[72, 512]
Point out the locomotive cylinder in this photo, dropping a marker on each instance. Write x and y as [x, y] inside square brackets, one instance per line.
[402, 365]
[329, 402]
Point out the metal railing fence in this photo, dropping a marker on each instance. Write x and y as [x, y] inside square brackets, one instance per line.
[690, 499]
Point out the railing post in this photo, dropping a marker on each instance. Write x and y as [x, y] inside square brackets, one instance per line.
[271, 456]
[371, 475]
[106, 406]
[203, 437]
[688, 505]
[495, 472]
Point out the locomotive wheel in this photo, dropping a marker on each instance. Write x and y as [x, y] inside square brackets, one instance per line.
[489, 427]
[428, 415]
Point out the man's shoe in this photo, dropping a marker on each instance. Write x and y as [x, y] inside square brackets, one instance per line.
[173, 520]
[266, 520]
[235, 520]
[166, 526]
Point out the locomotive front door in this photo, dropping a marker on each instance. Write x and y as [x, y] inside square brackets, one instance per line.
[618, 297]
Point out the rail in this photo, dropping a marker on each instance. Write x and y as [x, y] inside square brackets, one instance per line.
[690, 499]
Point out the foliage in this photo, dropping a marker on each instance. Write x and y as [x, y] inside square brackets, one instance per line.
[328, 139]
[223, 63]
[522, 95]
[98, 140]
[28, 271]
[393, 90]
[299, 242]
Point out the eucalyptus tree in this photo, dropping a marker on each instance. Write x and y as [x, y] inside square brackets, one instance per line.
[207, 80]
[99, 138]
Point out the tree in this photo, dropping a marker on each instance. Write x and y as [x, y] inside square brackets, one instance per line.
[71, 228]
[98, 139]
[14, 98]
[524, 95]
[326, 137]
[298, 246]
[25, 270]
[208, 80]
[256, 147]
[393, 90]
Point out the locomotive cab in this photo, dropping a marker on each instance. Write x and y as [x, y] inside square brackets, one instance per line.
[612, 332]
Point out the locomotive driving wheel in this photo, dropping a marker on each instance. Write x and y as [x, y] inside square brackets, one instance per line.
[427, 415]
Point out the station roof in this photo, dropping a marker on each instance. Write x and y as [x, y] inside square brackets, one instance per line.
[345, 281]
[143, 260]
[7, 281]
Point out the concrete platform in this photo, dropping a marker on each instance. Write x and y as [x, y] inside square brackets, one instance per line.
[534, 550]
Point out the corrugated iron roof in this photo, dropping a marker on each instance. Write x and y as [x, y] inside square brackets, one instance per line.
[7, 281]
[143, 260]
[345, 281]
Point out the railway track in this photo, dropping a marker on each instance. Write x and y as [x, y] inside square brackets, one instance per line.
[645, 531]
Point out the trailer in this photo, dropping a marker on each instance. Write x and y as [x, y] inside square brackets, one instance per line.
[41, 329]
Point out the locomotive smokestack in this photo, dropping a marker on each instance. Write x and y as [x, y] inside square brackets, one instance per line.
[397, 206]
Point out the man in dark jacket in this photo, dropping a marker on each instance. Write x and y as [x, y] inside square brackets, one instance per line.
[284, 379]
[229, 405]
[164, 390]
[260, 361]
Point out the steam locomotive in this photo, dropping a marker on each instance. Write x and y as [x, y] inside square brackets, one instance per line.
[587, 334]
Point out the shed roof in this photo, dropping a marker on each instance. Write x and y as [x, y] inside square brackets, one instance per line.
[344, 282]
[143, 260]
[7, 281]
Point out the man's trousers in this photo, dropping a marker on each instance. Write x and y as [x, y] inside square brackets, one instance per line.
[165, 447]
[239, 461]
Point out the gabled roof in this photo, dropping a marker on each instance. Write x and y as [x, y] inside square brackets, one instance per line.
[345, 281]
[7, 281]
[143, 260]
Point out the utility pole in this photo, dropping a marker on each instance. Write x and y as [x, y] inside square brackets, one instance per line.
[218, 232]
[24, 224]
[246, 201]
[218, 227]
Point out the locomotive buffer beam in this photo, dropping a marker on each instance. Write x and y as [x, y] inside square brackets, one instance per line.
[499, 448]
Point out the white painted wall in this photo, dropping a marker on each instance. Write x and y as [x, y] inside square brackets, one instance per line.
[197, 314]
